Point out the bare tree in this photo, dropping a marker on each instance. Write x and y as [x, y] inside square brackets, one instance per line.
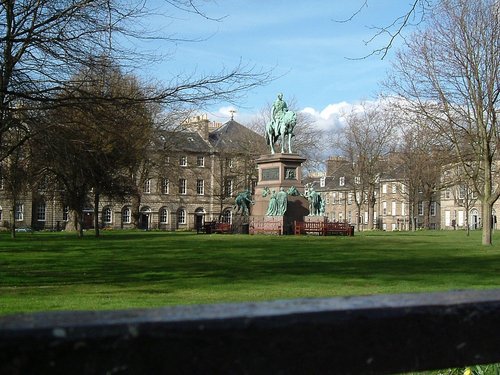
[421, 158]
[366, 140]
[45, 43]
[415, 14]
[450, 73]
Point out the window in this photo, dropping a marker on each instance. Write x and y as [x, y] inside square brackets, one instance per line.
[200, 187]
[357, 180]
[181, 216]
[229, 163]
[165, 186]
[433, 209]
[460, 218]
[394, 188]
[384, 188]
[227, 216]
[147, 186]
[322, 182]
[65, 214]
[341, 197]
[40, 211]
[107, 215]
[403, 208]
[349, 198]
[183, 161]
[461, 192]
[447, 194]
[228, 188]
[164, 216]
[200, 161]
[126, 215]
[342, 181]
[447, 218]
[182, 186]
[393, 208]
[384, 208]
[19, 212]
[349, 217]
[420, 208]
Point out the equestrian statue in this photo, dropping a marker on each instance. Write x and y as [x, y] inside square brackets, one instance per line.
[281, 126]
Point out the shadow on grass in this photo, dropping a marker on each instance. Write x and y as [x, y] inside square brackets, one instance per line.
[189, 260]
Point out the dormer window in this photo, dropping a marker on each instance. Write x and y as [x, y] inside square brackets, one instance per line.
[342, 181]
[183, 162]
[322, 181]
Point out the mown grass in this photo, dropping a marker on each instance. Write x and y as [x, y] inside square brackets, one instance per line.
[127, 269]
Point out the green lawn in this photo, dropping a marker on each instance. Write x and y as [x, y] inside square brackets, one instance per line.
[126, 269]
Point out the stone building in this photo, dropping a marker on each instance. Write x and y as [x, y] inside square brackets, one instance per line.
[346, 201]
[199, 172]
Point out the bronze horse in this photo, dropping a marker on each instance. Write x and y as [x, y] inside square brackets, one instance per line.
[282, 131]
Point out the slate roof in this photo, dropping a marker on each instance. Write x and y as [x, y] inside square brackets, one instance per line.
[234, 137]
[185, 141]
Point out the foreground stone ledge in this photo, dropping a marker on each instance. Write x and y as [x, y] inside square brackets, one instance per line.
[352, 335]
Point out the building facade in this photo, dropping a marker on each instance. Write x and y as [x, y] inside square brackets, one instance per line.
[201, 170]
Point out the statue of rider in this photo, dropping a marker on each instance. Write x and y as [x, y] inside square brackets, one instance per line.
[278, 110]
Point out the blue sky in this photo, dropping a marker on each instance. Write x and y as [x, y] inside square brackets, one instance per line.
[300, 40]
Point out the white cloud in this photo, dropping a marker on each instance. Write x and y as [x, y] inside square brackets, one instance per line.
[329, 118]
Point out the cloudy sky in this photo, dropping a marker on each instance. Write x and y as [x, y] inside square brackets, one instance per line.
[314, 57]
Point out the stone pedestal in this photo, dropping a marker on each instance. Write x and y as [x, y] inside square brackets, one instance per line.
[275, 172]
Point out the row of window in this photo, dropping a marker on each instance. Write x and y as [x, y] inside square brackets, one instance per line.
[200, 161]
[40, 213]
[183, 186]
[420, 208]
[163, 215]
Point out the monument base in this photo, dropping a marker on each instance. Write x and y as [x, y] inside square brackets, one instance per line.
[315, 219]
[240, 224]
[278, 172]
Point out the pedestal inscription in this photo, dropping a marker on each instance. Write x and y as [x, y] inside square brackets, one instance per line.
[270, 174]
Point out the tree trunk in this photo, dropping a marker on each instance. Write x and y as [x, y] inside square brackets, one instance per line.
[486, 223]
[97, 196]
[13, 221]
[371, 205]
[135, 203]
[79, 218]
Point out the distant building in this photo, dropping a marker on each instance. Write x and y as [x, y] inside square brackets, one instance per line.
[202, 170]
